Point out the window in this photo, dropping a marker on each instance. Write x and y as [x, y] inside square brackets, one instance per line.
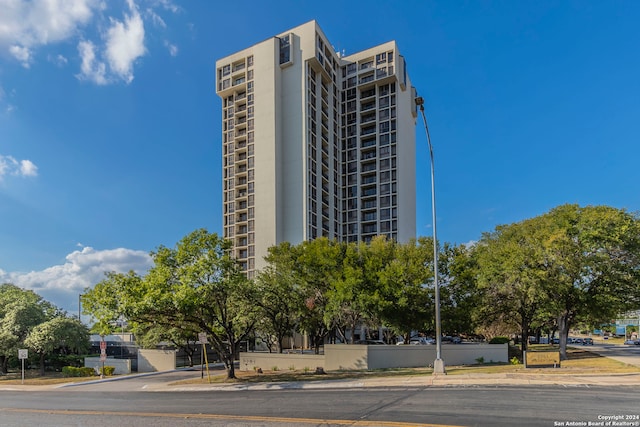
[285, 49]
[381, 57]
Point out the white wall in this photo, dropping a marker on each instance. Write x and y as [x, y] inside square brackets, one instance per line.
[156, 360]
[283, 361]
[367, 357]
[123, 366]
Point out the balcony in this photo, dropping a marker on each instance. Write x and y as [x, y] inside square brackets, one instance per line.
[368, 118]
[366, 79]
[368, 130]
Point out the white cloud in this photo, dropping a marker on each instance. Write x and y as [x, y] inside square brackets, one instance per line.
[5, 106]
[91, 69]
[168, 5]
[172, 48]
[156, 19]
[11, 166]
[59, 60]
[109, 57]
[22, 54]
[61, 284]
[28, 24]
[27, 168]
[125, 43]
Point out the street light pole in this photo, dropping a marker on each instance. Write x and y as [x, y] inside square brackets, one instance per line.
[438, 364]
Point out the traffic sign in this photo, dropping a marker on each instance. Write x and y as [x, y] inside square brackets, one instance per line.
[103, 357]
[202, 338]
[23, 354]
[103, 345]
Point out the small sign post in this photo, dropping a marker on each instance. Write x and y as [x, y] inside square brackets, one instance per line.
[103, 354]
[202, 339]
[23, 354]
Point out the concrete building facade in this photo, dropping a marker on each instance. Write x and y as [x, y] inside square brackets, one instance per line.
[315, 143]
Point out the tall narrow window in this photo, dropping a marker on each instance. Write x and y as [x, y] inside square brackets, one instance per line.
[285, 49]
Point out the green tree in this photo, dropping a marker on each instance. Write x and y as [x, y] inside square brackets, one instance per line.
[349, 298]
[511, 275]
[458, 293]
[107, 301]
[571, 265]
[198, 285]
[405, 294]
[20, 311]
[278, 296]
[318, 265]
[61, 334]
[593, 255]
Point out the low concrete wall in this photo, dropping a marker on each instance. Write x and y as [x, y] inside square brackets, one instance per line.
[156, 360]
[283, 361]
[367, 357]
[123, 366]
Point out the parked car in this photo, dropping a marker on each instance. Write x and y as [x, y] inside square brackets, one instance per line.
[630, 342]
[587, 341]
[421, 341]
[371, 342]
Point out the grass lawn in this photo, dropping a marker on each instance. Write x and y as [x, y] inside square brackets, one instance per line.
[32, 377]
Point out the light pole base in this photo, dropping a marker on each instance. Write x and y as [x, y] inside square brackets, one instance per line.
[438, 367]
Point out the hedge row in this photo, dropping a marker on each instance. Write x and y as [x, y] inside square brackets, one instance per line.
[72, 371]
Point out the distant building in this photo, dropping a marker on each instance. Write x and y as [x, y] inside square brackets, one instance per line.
[315, 143]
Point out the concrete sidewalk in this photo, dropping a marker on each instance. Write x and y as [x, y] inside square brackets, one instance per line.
[428, 380]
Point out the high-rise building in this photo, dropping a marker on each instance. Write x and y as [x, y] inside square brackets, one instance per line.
[315, 143]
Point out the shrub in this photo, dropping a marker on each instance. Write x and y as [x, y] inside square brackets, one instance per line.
[72, 371]
[499, 340]
[274, 368]
[59, 361]
[108, 371]
[480, 360]
[514, 361]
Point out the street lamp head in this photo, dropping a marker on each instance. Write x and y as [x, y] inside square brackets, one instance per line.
[419, 101]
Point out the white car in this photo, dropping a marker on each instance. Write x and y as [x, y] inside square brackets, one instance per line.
[422, 341]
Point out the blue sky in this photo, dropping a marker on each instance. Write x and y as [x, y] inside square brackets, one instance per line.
[110, 126]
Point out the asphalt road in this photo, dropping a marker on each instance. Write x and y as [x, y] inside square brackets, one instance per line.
[393, 406]
[629, 354]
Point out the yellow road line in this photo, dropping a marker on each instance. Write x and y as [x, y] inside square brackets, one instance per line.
[227, 417]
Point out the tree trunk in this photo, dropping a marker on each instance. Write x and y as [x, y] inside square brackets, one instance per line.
[3, 365]
[231, 371]
[229, 363]
[42, 364]
[525, 337]
[564, 322]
